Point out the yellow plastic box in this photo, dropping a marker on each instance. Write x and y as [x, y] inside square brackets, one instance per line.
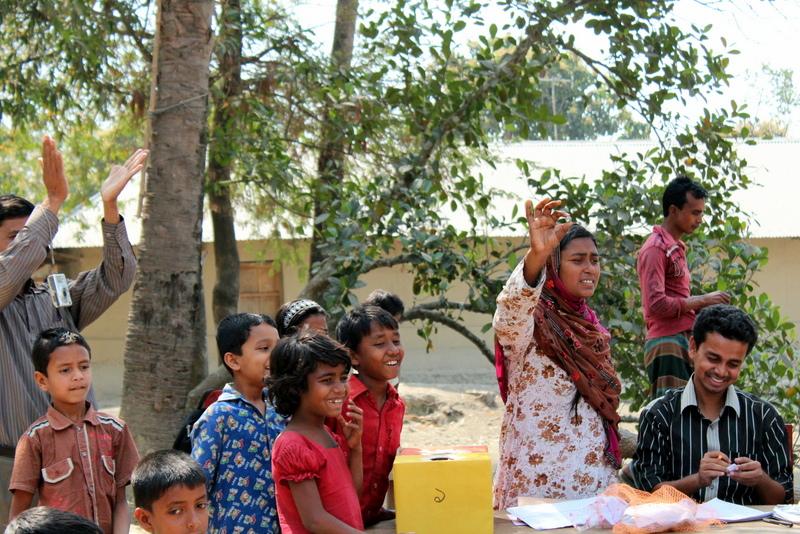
[447, 491]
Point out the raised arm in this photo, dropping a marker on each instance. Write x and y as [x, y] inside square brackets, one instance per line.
[513, 320]
[93, 292]
[29, 248]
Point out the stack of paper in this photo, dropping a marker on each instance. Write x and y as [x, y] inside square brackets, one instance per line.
[788, 512]
[729, 512]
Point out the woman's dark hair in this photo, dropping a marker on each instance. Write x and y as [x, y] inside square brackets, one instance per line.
[293, 359]
[576, 231]
[728, 321]
[294, 312]
[161, 470]
[234, 331]
[676, 190]
[49, 340]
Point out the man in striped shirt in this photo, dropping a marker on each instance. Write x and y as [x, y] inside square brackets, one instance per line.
[709, 439]
[26, 308]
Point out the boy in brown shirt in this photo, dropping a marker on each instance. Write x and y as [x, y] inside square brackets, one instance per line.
[77, 459]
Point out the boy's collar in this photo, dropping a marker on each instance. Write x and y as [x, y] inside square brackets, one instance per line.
[59, 421]
[689, 397]
[357, 387]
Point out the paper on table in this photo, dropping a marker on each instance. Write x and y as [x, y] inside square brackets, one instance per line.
[729, 512]
[554, 515]
[788, 512]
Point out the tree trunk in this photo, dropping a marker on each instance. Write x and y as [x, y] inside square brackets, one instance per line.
[221, 156]
[222, 150]
[330, 164]
[165, 346]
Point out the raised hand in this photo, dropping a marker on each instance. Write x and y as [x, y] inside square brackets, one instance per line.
[120, 175]
[118, 178]
[55, 183]
[545, 233]
[353, 426]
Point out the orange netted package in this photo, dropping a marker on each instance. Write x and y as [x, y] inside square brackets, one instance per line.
[664, 510]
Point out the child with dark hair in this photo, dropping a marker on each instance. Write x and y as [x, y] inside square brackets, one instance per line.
[318, 474]
[77, 459]
[233, 439]
[372, 337]
[46, 520]
[296, 316]
[387, 301]
[169, 492]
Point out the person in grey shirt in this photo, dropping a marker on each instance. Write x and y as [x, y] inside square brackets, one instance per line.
[26, 232]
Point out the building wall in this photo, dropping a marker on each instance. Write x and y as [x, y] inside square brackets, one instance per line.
[452, 359]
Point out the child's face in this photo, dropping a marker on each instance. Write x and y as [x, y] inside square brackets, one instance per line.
[252, 365]
[69, 375]
[9, 229]
[379, 354]
[180, 510]
[327, 391]
[316, 322]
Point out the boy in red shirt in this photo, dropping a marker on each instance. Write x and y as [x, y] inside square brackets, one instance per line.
[373, 338]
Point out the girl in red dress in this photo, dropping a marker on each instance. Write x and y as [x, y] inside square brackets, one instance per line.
[317, 474]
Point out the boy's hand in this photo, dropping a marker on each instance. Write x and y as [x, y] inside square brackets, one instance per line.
[53, 175]
[354, 427]
[748, 472]
[712, 465]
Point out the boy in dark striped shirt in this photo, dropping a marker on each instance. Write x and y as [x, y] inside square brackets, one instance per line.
[709, 439]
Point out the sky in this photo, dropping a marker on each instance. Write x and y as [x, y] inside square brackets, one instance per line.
[763, 31]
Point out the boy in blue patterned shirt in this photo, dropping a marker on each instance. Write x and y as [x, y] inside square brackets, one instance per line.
[232, 441]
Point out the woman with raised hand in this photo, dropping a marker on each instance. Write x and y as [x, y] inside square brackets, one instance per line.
[559, 434]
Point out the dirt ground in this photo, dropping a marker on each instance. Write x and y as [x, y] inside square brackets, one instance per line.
[448, 415]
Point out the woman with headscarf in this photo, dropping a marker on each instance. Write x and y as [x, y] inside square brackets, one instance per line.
[559, 434]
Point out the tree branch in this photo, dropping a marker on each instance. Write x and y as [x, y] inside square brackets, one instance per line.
[443, 304]
[416, 313]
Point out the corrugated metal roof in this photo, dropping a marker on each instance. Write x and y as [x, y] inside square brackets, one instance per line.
[771, 202]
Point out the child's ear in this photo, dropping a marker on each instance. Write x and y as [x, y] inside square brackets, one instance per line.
[41, 380]
[232, 361]
[143, 517]
[353, 357]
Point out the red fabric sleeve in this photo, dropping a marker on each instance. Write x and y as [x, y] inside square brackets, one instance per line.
[295, 461]
[126, 457]
[651, 266]
[27, 472]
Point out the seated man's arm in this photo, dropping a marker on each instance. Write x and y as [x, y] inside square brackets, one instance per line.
[772, 475]
[651, 461]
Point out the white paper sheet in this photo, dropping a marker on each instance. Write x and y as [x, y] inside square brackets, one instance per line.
[554, 515]
[788, 512]
[729, 512]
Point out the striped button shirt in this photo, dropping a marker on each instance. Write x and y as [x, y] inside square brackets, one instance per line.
[674, 435]
[26, 310]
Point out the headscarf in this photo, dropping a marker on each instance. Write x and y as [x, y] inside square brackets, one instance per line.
[569, 333]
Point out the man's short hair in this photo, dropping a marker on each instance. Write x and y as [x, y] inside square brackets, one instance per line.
[51, 339]
[388, 301]
[234, 331]
[46, 520]
[357, 324]
[728, 321]
[161, 470]
[675, 193]
[14, 207]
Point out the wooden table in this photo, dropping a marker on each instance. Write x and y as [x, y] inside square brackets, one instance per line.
[503, 526]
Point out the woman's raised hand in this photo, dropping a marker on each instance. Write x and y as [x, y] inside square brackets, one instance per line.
[545, 233]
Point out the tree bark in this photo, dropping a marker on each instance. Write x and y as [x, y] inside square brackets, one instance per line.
[165, 347]
[330, 164]
[222, 152]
